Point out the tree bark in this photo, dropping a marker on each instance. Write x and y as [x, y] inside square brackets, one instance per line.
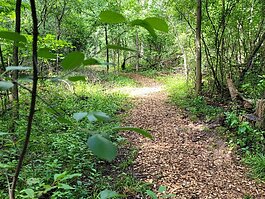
[15, 94]
[198, 87]
[2, 60]
[107, 43]
[260, 113]
[138, 51]
[33, 100]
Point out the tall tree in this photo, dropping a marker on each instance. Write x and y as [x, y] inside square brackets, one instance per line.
[198, 49]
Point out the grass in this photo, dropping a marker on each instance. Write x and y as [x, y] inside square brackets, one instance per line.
[58, 142]
[257, 164]
[180, 92]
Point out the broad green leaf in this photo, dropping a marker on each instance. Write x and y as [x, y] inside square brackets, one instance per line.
[102, 147]
[5, 166]
[73, 60]
[97, 116]
[14, 36]
[30, 193]
[70, 176]
[64, 186]
[79, 116]
[151, 194]
[91, 61]
[59, 176]
[146, 25]
[162, 189]
[77, 78]
[45, 53]
[19, 68]
[91, 117]
[4, 85]
[32, 181]
[101, 116]
[111, 17]
[108, 194]
[117, 47]
[137, 130]
[63, 120]
[3, 133]
[157, 23]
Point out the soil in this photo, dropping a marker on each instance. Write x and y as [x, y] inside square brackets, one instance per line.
[191, 162]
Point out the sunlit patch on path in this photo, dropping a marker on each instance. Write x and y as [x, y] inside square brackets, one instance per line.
[139, 91]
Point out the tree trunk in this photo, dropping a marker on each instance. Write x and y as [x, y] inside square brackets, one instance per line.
[33, 101]
[15, 95]
[198, 87]
[260, 113]
[107, 52]
[2, 60]
[137, 51]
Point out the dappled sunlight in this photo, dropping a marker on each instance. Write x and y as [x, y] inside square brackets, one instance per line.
[139, 91]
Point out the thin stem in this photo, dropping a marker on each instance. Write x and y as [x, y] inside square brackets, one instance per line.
[33, 99]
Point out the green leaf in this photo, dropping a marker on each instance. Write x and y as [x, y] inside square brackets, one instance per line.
[162, 189]
[3, 133]
[32, 181]
[91, 61]
[70, 176]
[45, 53]
[73, 60]
[108, 194]
[5, 166]
[79, 116]
[137, 130]
[59, 176]
[101, 116]
[97, 116]
[14, 36]
[30, 193]
[77, 78]
[4, 85]
[111, 17]
[63, 120]
[151, 194]
[157, 23]
[91, 117]
[64, 186]
[19, 68]
[102, 147]
[146, 25]
[117, 47]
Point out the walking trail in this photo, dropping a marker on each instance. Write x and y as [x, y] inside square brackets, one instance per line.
[189, 161]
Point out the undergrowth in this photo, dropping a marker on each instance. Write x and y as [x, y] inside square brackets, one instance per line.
[59, 163]
[180, 93]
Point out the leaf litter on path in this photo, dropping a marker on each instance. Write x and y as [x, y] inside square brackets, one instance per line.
[189, 161]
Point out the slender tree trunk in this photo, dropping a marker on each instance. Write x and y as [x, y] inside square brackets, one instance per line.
[33, 101]
[2, 59]
[138, 51]
[15, 95]
[107, 43]
[198, 87]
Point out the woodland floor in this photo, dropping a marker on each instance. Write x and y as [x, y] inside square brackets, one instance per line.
[191, 162]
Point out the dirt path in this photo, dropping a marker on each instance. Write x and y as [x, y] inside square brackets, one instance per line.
[192, 163]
